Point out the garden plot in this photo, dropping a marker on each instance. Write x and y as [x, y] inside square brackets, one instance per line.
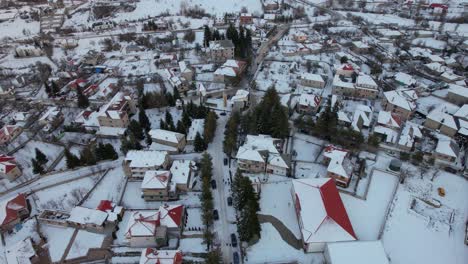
[194, 223]
[84, 241]
[64, 196]
[275, 200]
[110, 188]
[57, 240]
[192, 245]
[155, 116]
[272, 249]
[413, 230]
[310, 170]
[27, 153]
[374, 208]
[306, 149]
[276, 74]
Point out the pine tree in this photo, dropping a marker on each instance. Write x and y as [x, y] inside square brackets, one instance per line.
[72, 160]
[180, 127]
[186, 119]
[170, 99]
[83, 101]
[162, 124]
[48, 89]
[143, 119]
[149, 140]
[176, 94]
[199, 143]
[209, 127]
[87, 156]
[214, 257]
[206, 36]
[41, 157]
[37, 167]
[169, 120]
[136, 129]
[110, 152]
[55, 89]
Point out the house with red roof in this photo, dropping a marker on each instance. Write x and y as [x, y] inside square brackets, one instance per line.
[8, 133]
[12, 211]
[346, 69]
[157, 186]
[154, 256]
[8, 168]
[149, 228]
[321, 214]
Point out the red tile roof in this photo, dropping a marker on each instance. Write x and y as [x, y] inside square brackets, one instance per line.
[334, 206]
[12, 207]
[105, 205]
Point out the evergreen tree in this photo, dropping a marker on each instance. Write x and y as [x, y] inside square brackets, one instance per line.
[180, 127]
[143, 119]
[72, 160]
[206, 36]
[230, 134]
[55, 89]
[83, 101]
[199, 143]
[149, 140]
[169, 120]
[87, 156]
[186, 119]
[48, 89]
[209, 127]
[162, 124]
[37, 167]
[41, 157]
[176, 95]
[214, 257]
[136, 129]
[170, 99]
[110, 152]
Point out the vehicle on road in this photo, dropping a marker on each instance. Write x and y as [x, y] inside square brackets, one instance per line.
[229, 201]
[235, 258]
[213, 184]
[215, 215]
[225, 161]
[233, 240]
[222, 113]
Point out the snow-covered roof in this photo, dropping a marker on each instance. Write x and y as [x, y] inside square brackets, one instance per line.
[309, 100]
[166, 135]
[391, 135]
[447, 147]
[404, 78]
[155, 256]
[360, 44]
[146, 158]
[9, 209]
[83, 215]
[156, 180]
[7, 163]
[440, 116]
[411, 131]
[459, 90]
[323, 215]
[362, 252]
[51, 113]
[312, 77]
[255, 146]
[220, 44]
[365, 81]
[388, 119]
[142, 223]
[241, 95]
[196, 127]
[180, 171]
[339, 164]
[402, 98]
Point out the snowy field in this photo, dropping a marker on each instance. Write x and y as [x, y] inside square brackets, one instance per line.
[307, 148]
[65, 196]
[374, 208]
[275, 200]
[152, 8]
[410, 237]
[310, 170]
[83, 242]
[272, 249]
[192, 245]
[110, 188]
[57, 239]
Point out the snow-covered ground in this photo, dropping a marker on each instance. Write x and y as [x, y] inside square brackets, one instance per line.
[83, 242]
[272, 249]
[57, 239]
[192, 245]
[306, 148]
[410, 237]
[110, 188]
[374, 208]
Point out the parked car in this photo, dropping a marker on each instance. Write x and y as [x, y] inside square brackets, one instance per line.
[235, 258]
[215, 214]
[225, 161]
[213, 184]
[229, 201]
[223, 113]
[233, 240]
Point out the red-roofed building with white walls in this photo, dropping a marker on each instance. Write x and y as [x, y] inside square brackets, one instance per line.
[8, 168]
[154, 256]
[151, 228]
[12, 211]
[8, 133]
[157, 186]
[321, 214]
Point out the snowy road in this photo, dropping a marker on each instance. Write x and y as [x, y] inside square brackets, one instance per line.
[222, 227]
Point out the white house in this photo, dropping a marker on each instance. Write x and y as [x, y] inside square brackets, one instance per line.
[362, 252]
